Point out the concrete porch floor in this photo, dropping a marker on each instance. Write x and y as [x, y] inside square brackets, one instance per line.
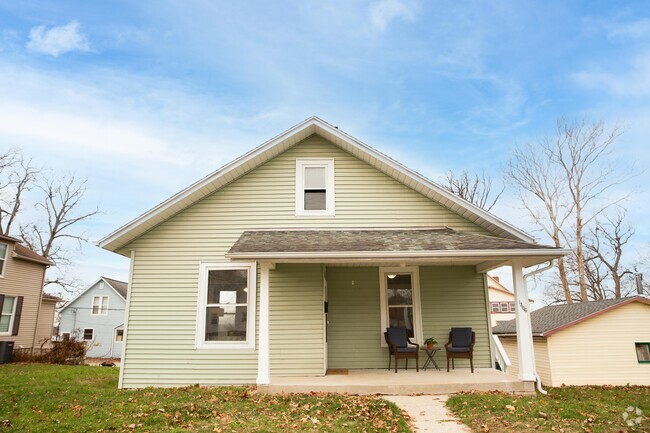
[403, 382]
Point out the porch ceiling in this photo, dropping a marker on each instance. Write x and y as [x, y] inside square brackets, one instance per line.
[424, 245]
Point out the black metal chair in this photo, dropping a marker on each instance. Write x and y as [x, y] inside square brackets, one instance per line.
[461, 345]
[398, 347]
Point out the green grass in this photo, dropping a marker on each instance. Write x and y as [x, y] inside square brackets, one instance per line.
[567, 409]
[48, 398]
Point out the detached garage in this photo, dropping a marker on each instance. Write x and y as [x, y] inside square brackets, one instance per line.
[590, 343]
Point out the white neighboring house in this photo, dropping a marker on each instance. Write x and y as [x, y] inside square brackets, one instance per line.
[502, 301]
[96, 316]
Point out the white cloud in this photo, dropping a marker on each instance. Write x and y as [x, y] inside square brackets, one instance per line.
[634, 30]
[634, 82]
[57, 40]
[384, 12]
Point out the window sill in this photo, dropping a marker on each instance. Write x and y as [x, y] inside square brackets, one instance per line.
[225, 346]
[316, 215]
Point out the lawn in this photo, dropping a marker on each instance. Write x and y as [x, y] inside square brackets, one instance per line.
[48, 398]
[567, 409]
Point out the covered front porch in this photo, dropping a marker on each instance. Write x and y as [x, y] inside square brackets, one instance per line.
[327, 296]
[382, 381]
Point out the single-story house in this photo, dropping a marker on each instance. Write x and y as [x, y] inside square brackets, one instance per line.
[26, 312]
[295, 258]
[603, 342]
[96, 316]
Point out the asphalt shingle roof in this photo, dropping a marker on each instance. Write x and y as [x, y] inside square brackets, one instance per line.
[120, 286]
[435, 239]
[549, 318]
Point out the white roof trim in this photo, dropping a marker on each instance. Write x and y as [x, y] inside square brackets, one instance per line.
[88, 288]
[312, 125]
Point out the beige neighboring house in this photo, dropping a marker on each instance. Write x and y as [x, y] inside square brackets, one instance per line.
[27, 314]
[590, 343]
[294, 259]
[502, 301]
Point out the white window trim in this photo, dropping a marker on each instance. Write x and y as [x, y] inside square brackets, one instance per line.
[328, 164]
[101, 306]
[417, 306]
[4, 259]
[115, 336]
[83, 334]
[11, 317]
[251, 313]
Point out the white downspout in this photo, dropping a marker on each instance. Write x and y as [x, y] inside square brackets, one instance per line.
[538, 380]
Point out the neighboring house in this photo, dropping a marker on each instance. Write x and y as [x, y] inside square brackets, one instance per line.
[589, 343]
[27, 314]
[294, 258]
[502, 301]
[96, 315]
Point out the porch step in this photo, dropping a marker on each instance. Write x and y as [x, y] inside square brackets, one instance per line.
[364, 382]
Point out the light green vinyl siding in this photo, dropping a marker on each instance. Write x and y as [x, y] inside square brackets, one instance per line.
[354, 337]
[162, 319]
[450, 296]
[296, 322]
[454, 296]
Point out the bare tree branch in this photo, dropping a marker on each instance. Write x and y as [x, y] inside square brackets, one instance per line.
[473, 188]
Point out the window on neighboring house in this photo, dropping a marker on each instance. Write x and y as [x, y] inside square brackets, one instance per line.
[495, 307]
[512, 307]
[100, 306]
[315, 187]
[226, 317]
[10, 311]
[504, 307]
[400, 301]
[4, 249]
[643, 352]
[119, 335]
[89, 334]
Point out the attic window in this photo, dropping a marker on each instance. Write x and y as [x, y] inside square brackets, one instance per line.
[314, 187]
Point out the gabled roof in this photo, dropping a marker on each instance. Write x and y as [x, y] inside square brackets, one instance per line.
[549, 320]
[495, 284]
[283, 142]
[119, 287]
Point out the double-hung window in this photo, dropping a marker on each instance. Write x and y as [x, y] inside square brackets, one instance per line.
[7, 314]
[400, 301]
[4, 249]
[315, 187]
[89, 334]
[100, 306]
[226, 316]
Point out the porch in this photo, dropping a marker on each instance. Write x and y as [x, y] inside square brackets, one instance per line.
[382, 381]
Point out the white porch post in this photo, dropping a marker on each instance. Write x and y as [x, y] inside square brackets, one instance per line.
[263, 350]
[522, 320]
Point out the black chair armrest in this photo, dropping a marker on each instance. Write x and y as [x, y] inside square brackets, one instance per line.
[414, 344]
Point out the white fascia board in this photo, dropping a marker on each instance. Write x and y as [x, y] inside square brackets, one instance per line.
[167, 205]
[399, 254]
[197, 186]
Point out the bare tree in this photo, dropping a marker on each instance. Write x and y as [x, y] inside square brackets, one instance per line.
[61, 204]
[563, 183]
[580, 150]
[17, 176]
[473, 188]
[606, 243]
[541, 191]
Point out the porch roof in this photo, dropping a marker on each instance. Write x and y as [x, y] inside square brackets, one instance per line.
[424, 243]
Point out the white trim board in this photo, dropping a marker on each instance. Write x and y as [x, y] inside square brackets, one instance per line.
[313, 125]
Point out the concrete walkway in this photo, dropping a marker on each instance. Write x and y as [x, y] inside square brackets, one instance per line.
[429, 413]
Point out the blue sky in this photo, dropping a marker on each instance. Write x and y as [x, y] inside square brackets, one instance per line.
[145, 97]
